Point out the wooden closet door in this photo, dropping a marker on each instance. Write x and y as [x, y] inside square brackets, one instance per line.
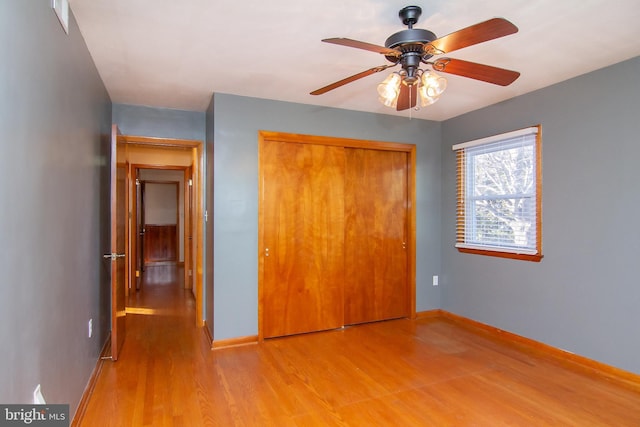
[303, 273]
[376, 279]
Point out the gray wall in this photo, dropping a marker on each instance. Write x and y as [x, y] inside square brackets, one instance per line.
[237, 122]
[55, 115]
[139, 120]
[584, 295]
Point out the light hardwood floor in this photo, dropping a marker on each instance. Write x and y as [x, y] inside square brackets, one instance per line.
[429, 372]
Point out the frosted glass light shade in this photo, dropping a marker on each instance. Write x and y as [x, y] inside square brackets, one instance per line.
[431, 87]
[389, 89]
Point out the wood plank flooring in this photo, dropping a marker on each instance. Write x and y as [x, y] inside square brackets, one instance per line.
[429, 372]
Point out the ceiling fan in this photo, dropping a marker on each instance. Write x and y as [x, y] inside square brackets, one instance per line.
[412, 47]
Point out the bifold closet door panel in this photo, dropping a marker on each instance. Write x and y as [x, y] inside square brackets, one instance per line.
[376, 279]
[303, 238]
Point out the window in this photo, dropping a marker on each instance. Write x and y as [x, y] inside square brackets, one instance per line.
[499, 195]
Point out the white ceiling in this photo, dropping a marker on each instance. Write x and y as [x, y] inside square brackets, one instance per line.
[176, 53]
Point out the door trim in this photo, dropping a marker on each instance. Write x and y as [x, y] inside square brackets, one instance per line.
[265, 137]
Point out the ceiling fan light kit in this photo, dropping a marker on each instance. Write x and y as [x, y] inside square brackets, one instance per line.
[413, 47]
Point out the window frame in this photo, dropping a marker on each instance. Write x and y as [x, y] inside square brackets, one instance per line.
[462, 199]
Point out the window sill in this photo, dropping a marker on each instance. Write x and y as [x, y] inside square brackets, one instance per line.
[522, 257]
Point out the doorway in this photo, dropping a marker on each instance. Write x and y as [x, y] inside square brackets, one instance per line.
[162, 217]
[162, 221]
[180, 161]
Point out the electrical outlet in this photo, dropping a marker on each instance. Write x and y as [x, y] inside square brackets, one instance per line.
[90, 327]
[435, 280]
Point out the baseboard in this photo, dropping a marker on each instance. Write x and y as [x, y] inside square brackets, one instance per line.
[429, 314]
[91, 385]
[234, 342]
[207, 333]
[538, 348]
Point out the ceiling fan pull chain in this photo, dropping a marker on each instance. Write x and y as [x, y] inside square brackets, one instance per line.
[410, 102]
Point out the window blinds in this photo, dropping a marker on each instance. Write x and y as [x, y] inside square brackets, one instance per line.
[497, 200]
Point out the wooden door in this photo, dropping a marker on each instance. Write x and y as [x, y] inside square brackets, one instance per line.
[118, 175]
[376, 280]
[160, 243]
[303, 241]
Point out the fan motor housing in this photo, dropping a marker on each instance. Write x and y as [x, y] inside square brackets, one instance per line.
[412, 40]
[409, 37]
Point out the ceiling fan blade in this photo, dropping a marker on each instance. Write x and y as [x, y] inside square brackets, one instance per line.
[363, 45]
[351, 79]
[478, 33]
[486, 73]
[407, 97]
